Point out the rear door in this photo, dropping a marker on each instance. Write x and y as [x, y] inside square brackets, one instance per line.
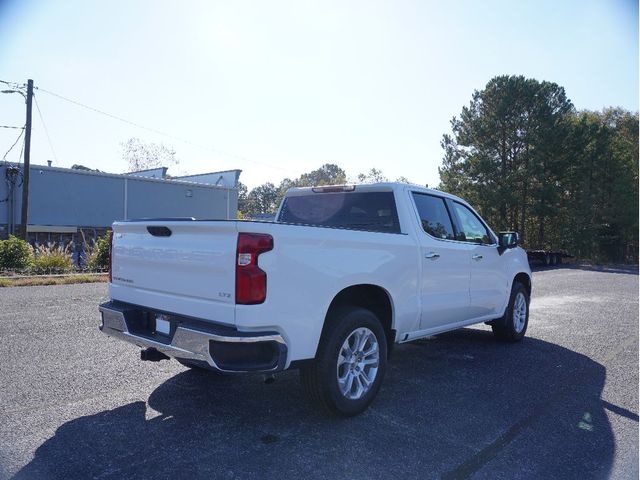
[185, 267]
[445, 265]
[488, 283]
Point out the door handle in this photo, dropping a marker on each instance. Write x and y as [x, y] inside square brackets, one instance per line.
[432, 255]
[477, 257]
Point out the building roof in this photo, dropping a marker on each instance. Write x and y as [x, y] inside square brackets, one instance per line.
[121, 176]
[225, 177]
[160, 172]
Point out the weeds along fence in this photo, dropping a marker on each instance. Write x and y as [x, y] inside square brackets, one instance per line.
[17, 257]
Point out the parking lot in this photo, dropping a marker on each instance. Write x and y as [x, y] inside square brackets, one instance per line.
[563, 403]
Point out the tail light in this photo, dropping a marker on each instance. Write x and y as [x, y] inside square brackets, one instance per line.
[251, 281]
[110, 255]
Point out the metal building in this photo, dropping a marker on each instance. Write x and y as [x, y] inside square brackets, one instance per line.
[69, 205]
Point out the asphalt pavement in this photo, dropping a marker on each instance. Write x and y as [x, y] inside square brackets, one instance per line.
[563, 403]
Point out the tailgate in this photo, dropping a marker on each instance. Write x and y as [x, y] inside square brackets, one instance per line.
[183, 267]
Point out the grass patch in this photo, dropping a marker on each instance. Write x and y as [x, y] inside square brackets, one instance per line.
[51, 280]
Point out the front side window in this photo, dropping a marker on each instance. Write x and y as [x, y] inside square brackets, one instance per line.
[471, 229]
[434, 216]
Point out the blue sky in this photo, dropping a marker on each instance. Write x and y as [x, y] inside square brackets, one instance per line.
[277, 88]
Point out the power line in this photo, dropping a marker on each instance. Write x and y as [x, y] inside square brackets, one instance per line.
[21, 151]
[46, 131]
[15, 85]
[158, 132]
[11, 84]
[14, 144]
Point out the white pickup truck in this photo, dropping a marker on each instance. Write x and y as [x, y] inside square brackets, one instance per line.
[343, 274]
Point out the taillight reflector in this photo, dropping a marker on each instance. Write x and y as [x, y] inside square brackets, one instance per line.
[251, 281]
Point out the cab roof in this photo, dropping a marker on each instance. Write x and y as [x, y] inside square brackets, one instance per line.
[368, 187]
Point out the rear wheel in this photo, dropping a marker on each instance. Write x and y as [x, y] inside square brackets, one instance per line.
[513, 325]
[350, 364]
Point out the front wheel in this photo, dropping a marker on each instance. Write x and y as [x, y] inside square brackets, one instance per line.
[350, 364]
[513, 325]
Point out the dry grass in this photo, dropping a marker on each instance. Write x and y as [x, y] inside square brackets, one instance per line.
[51, 280]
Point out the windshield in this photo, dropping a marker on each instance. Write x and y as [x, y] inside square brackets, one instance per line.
[371, 211]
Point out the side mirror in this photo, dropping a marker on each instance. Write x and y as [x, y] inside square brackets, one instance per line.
[508, 239]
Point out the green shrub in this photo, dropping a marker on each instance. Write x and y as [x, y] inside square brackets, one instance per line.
[98, 258]
[52, 259]
[15, 254]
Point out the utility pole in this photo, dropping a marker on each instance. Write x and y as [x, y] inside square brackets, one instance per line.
[24, 211]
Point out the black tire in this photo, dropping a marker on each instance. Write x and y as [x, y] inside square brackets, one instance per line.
[508, 328]
[320, 379]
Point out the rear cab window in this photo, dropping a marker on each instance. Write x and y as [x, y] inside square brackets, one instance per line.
[369, 211]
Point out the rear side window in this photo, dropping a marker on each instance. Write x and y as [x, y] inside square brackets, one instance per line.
[434, 216]
[371, 211]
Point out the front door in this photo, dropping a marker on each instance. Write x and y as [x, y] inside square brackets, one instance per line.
[488, 283]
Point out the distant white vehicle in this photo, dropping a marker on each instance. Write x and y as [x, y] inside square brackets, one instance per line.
[343, 274]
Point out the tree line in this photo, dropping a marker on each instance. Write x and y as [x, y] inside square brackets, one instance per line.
[523, 156]
[529, 161]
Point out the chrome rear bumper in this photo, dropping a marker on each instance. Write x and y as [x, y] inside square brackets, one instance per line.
[196, 340]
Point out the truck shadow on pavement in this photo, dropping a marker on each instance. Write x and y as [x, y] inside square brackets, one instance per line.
[455, 406]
